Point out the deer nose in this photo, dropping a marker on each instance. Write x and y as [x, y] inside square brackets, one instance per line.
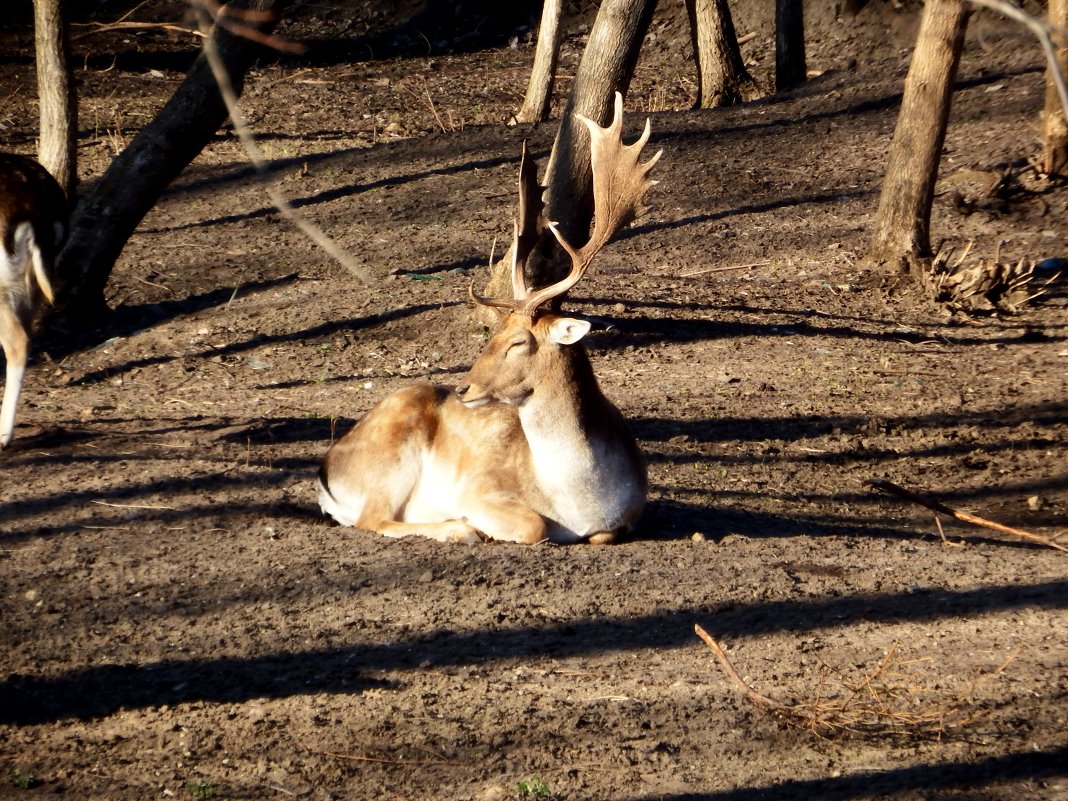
[471, 395]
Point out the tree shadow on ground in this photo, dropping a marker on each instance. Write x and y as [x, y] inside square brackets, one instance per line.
[932, 780]
[123, 321]
[133, 319]
[104, 689]
[642, 331]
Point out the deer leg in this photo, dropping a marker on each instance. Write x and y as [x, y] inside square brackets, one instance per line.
[378, 511]
[445, 531]
[16, 344]
[504, 518]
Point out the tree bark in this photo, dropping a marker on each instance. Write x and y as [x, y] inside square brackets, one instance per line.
[57, 148]
[1054, 157]
[104, 220]
[722, 79]
[790, 67]
[901, 243]
[543, 73]
[606, 67]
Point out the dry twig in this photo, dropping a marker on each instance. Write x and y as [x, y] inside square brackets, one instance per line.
[935, 506]
[387, 761]
[705, 271]
[882, 702]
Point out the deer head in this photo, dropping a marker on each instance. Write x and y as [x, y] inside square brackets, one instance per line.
[530, 338]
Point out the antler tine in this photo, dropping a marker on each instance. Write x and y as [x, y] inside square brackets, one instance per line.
[494, 303]
[530, 223]
[619, 180]
[619, 184]
[484, 301]
[519, 283]
[546, 293]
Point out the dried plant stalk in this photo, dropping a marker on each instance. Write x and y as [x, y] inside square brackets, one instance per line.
[884, 701]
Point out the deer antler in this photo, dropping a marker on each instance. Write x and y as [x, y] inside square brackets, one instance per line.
[527, 227]
[531, 221]
[619, 184]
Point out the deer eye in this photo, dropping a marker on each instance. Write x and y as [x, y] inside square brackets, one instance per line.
[517, 345]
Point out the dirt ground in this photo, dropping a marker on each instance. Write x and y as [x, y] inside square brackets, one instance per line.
[179, 620]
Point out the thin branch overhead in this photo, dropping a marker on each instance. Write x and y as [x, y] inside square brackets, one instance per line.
[259, 162]
[1044, 31]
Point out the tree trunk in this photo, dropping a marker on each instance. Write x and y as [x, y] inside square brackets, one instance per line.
[1054, 158]
[56, 149]
[606, 67]
[901, 243]
[790, 67]
[543, 73]
[722, 79]
[104, 220]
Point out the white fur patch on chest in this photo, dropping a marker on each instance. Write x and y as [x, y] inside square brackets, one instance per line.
[588, 490]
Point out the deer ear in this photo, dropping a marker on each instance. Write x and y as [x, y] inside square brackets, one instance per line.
[567, 330]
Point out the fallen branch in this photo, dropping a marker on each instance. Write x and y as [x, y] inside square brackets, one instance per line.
[134, 506]
[386, 761]
[878, 704]
[705, 271]
[754, 696]
[935, 506]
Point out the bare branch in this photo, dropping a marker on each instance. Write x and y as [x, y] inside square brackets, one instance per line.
[1044, 31]
[935, 506]
[310, 229]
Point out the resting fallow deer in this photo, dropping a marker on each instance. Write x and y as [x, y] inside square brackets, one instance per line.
[528, 449]
[33, 221]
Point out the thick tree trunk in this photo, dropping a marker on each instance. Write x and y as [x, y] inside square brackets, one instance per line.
[119, 200]
[901, 243]
[722, 79]
[543, 73]
[790, 67]
[1054, 157]
[606, 67]
[57, 149]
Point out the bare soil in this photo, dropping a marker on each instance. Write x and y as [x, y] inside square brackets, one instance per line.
[179, 620]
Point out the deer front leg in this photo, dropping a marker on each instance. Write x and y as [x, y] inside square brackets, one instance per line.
[603, 538]
[445, 531]
[502, 516]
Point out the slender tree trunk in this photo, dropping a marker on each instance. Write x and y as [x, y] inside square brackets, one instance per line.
[1054, 157]
[57, 149]
[722, 79]
[606, 67]
[543, 73]
[107, 216]
[901, 243]
[790, 67]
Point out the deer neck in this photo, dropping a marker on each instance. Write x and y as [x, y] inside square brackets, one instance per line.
[566, 412]
[584, 461]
